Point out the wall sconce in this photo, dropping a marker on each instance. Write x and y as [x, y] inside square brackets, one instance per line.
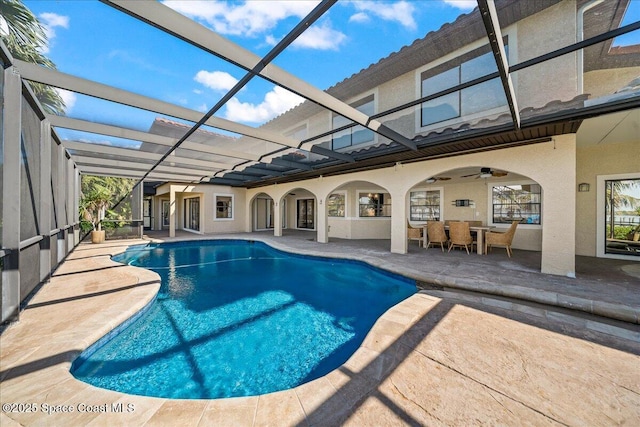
[583, 187]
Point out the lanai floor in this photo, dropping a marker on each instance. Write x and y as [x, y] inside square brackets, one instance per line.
[476, 346]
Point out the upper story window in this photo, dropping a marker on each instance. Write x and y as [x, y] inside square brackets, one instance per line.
[516, 202]
[374, 204]
[475, 99]
[424, 205]
[336, 205]
[357, 134]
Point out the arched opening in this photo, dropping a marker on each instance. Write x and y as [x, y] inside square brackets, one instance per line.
[262, 212]
[299, 208]
[359, 210]
[484, 197]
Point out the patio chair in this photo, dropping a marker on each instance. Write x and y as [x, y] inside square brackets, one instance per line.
[414, 233]
[493, 238]
[460, 236]
[436, 234]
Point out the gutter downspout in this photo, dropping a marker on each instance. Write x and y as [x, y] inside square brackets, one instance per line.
[579, 38]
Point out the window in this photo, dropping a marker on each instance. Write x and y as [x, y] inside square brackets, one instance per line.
[516, 202]
[375, 204]
[224, 206]
[336, 205]
[622, 216]
[475, 99]
[357, 134]
[424, 205]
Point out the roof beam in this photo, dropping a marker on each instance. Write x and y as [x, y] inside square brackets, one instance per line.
[127, 173]
[127, 152]
[492, 26]
[61, 80]
[96, 161]
[170, 21]
[119, 132]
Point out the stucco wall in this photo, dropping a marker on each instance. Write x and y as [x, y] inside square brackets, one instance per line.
[553, 80]
[593, 161]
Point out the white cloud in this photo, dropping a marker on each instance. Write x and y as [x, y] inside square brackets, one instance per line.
[321, 37]
[467, 5]
[216, 80]
[359, 17]
[68, 97]
[50, 21]
[249, 18]
[275, 103]
[202, 108]
[400, 12]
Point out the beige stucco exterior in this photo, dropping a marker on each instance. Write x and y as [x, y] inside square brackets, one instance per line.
[569, 219]
[592, 162]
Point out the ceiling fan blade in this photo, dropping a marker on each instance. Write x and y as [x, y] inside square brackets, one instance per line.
[499, 173]
[443, 178]
[467, 176]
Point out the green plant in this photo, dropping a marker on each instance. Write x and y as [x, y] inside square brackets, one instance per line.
[94, 204]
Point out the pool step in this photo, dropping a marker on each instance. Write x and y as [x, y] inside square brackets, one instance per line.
[578, 319]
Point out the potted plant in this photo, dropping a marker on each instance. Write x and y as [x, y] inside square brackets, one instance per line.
[93, 207]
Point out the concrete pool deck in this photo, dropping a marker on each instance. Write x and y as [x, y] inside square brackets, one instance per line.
[445, 356]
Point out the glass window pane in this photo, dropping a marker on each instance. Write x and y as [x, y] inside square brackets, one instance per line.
[342, 139]
[478, 67]
[441, 81]
[361, 135]
[440, 109]
[336, 205]
[224, 208]
[483, 97]
[517, 203]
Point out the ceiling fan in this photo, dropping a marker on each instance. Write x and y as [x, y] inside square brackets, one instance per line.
[436, 178]
[486, 173]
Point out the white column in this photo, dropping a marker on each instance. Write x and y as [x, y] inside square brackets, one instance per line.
[321, 223]
[278, 212]
[559, 209]
[172, 212]
[398, 222]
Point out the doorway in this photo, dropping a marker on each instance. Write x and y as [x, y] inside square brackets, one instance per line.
[192, 214]
[306, 213]
[622, 216]
[147, 219]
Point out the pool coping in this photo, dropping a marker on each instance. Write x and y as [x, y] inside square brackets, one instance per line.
[35, 368]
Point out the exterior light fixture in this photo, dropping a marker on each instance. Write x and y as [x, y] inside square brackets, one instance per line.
[583, 187]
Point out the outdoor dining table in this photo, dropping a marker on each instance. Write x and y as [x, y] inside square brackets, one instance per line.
[480, 231]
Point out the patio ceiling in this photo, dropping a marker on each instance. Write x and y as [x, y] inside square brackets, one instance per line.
[187, 145]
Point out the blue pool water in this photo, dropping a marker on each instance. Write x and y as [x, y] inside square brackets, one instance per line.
[239, 318]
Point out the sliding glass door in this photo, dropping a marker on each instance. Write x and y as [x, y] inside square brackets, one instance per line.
[622, 216]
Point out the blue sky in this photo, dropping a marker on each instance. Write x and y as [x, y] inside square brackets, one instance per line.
[92, 40]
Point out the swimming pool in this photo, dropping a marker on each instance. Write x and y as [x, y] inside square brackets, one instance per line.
[239, 318]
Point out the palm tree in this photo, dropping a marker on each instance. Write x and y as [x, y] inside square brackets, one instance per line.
[615, 198]
[24, 36]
